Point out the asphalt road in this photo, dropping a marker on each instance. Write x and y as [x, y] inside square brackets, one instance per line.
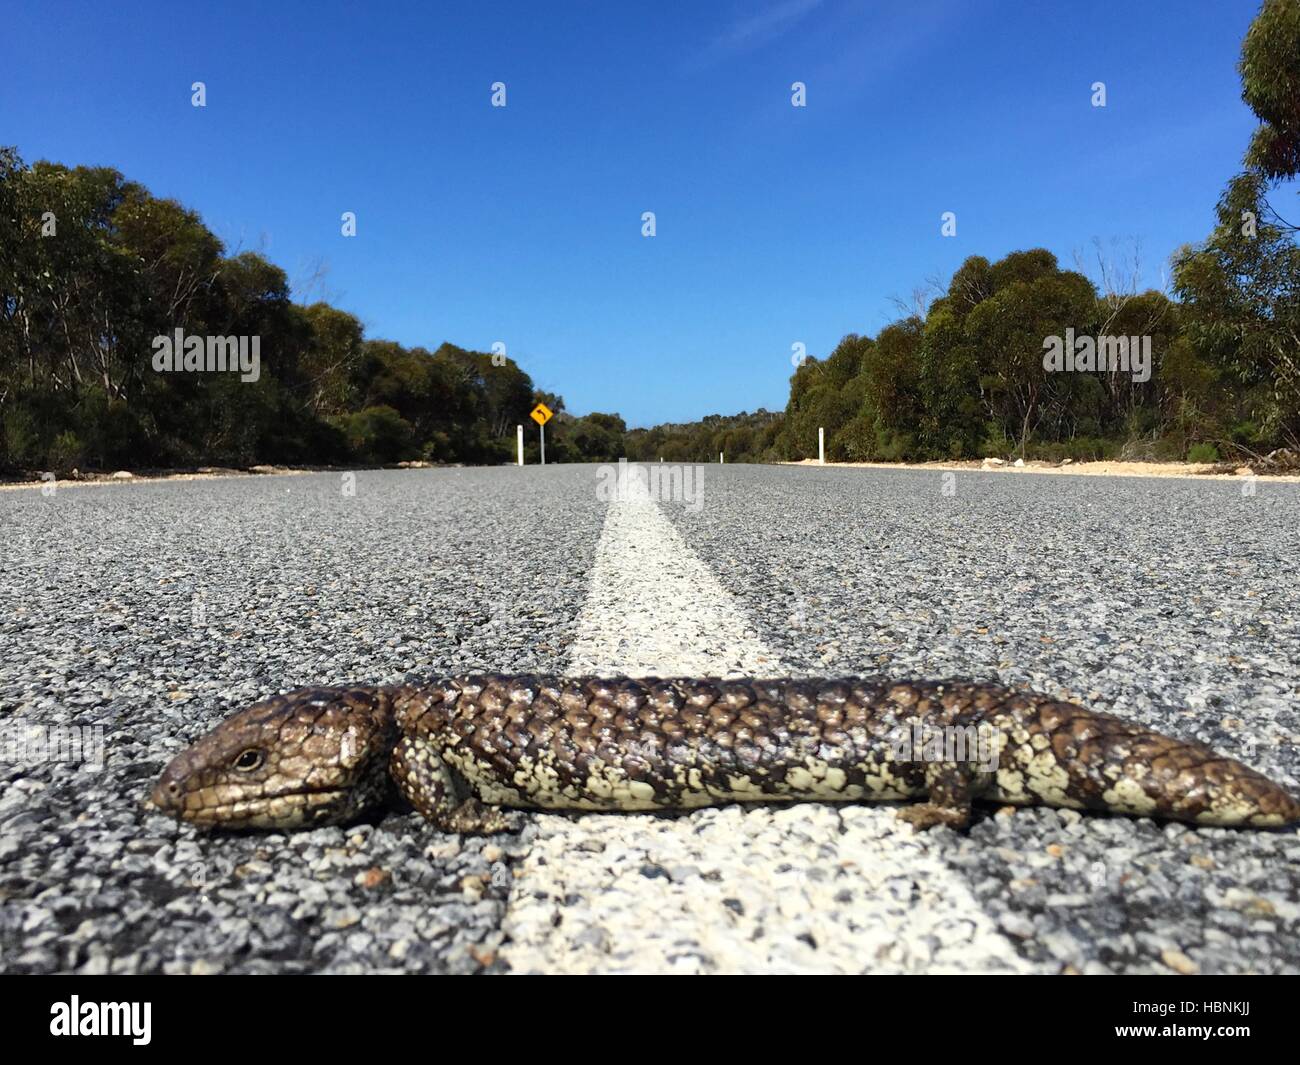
[141, 614]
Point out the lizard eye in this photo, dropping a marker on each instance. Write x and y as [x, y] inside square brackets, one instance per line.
[249, 760]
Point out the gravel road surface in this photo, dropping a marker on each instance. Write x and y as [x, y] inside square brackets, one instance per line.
[135, 616]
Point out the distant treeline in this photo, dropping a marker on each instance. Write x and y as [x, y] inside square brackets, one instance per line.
[742, 437]
[94, 270]
[1022, 357]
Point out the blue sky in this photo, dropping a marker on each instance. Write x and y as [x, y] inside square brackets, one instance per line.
[522, 224]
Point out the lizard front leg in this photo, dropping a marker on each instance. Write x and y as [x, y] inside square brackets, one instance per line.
[428, 784]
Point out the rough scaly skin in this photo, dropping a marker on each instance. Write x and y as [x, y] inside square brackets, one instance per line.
[459, 749]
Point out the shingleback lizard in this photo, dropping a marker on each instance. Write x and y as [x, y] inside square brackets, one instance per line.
[459, 749]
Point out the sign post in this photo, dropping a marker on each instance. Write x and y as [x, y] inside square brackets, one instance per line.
[541, 414]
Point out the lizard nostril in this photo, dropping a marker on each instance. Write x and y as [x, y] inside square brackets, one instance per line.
[166, 795]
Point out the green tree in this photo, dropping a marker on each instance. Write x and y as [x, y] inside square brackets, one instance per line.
[1270, 84]
[1241, 298]
[331, 358]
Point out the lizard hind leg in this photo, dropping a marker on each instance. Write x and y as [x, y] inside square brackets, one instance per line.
[952, 786]
[428, 784]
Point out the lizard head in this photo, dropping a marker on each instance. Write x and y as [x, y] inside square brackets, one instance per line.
[312, 757]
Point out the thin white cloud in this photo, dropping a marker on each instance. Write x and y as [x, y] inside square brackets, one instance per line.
[754, 31]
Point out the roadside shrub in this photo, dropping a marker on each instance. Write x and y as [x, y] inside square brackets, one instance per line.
[377, 434]
[67, 453]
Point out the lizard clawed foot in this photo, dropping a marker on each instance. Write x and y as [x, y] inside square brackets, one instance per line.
[927, 815]
[474, 818]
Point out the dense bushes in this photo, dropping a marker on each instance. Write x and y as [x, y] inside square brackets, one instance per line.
[970, 379]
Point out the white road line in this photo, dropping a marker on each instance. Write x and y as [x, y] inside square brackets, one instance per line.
[654, 607]
[806, 888]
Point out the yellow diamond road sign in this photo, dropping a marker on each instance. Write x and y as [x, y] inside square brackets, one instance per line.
[541, 414]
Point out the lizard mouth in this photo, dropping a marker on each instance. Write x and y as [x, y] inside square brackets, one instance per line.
[285, 809]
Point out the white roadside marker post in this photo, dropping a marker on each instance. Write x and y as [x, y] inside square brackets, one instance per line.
[821, 446]
[519, 441]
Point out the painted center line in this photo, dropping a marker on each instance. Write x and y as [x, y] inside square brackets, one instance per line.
[803, 888]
